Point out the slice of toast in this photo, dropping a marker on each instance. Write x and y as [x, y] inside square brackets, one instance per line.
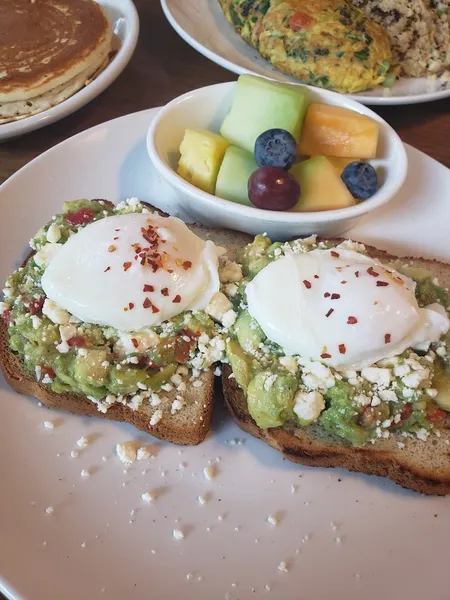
[188, 426]
[412, 463]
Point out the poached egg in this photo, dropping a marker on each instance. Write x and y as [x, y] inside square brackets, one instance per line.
[341, 307]
[133, 271]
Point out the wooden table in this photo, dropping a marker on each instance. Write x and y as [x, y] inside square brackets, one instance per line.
[164, 66]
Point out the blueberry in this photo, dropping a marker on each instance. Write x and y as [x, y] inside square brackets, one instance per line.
[275, 148]
[361, 180]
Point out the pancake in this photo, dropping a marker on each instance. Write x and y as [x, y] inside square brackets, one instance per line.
[49, 49]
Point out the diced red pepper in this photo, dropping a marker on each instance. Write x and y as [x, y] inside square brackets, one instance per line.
[80, 217]
[436, 415]
[406, 412]
[48, 371]
[300, 20]
[77, 340]
[36, 305]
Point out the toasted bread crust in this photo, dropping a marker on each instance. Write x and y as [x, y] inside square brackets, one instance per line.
[420, 466]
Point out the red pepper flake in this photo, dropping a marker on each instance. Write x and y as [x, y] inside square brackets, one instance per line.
[375, 303]
[371, 271]
[186, 265]
[399, 281]
[149, 304]
[316, 277]
[307, 284]
[338, 269]
[387, 338]
[107, 269]
[111, 249]
[177, 299]
[325, 355]
[335, 296]
[342, 348]
[165, 291]
[135, 342]
[330, 312]
[356, 273]
[126, 266]
[116, 229]
[148, 288]
[334, 254]
[115, 239]
[326, 295]
[125, 309]
[382, 283]
[343, 282]
[130, 305]
[76, 340]
[352, 321]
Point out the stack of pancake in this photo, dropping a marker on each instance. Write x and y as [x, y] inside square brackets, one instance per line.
[49, 49]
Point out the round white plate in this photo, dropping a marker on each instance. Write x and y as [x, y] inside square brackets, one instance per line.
[124, 21]
[342, 536]
[202, 25]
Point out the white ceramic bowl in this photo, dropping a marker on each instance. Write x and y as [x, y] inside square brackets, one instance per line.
[206, 108]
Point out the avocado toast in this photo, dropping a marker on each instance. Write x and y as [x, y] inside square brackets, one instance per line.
[159, 379]
[388, 416]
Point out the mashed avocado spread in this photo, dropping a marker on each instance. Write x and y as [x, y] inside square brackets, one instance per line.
[102, 363]
[404, 394]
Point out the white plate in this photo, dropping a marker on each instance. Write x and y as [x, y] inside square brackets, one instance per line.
[124, 21]
[202, 25]
[395, 541]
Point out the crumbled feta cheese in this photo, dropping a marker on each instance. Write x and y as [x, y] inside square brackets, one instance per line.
[289, 363]
[422, 434]
[38, 371]
[231, 272]
[83, 442]
[49, 510]
[270, 380]
[147, 497]
[4, 306]
[126, 451]
[361, 400]
[198, 383]
[388, 395]
[218, 306]
[231, 289]
[55, 313]
[308, 405]
[156, 417]
[217, 371]
[375, 401]
[130, 343]
[74, 454]
[209, 472]
[378, 376]
[178, 534]
[85, 473]
[47, 379]
[432, 392]
[176, 406]
[35, 321]
[53, 234]
[317, 376]
[400, 445]
[136, 401]
[167, 387]
[176, 379]
[202, 500]
[414, 379]
[155, 400]
[229, 318]
[272, 519]
[282, 567]
[46, 254]
[63, 348]
[84, 352]
[49, 425]
[402, 370]
[143, 453]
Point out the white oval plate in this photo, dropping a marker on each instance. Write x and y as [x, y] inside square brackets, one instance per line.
[124, 21]
[203, 26]
[343, 536]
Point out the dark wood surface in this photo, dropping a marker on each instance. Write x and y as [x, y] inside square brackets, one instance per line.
[164, 66]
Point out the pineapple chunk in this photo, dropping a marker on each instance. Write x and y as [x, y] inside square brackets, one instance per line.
[201, 156]
[337, 131]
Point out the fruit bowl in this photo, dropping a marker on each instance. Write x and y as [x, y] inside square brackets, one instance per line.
[206, 108]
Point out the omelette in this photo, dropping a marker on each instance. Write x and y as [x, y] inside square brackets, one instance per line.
[326, 43]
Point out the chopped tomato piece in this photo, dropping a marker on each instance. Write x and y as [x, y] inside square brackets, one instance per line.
[36, 305]
[436, 415]
[48, 371]
[7, 315]
[80, 217]
[367, 418]
[406, 412]
[77, 340]
[300, 20]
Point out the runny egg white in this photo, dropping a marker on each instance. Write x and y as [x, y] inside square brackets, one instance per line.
[341, 307]
[133, 271]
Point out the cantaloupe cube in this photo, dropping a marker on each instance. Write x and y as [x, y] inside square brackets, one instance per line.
[337, 131]
[321, 187]
[201, 156]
